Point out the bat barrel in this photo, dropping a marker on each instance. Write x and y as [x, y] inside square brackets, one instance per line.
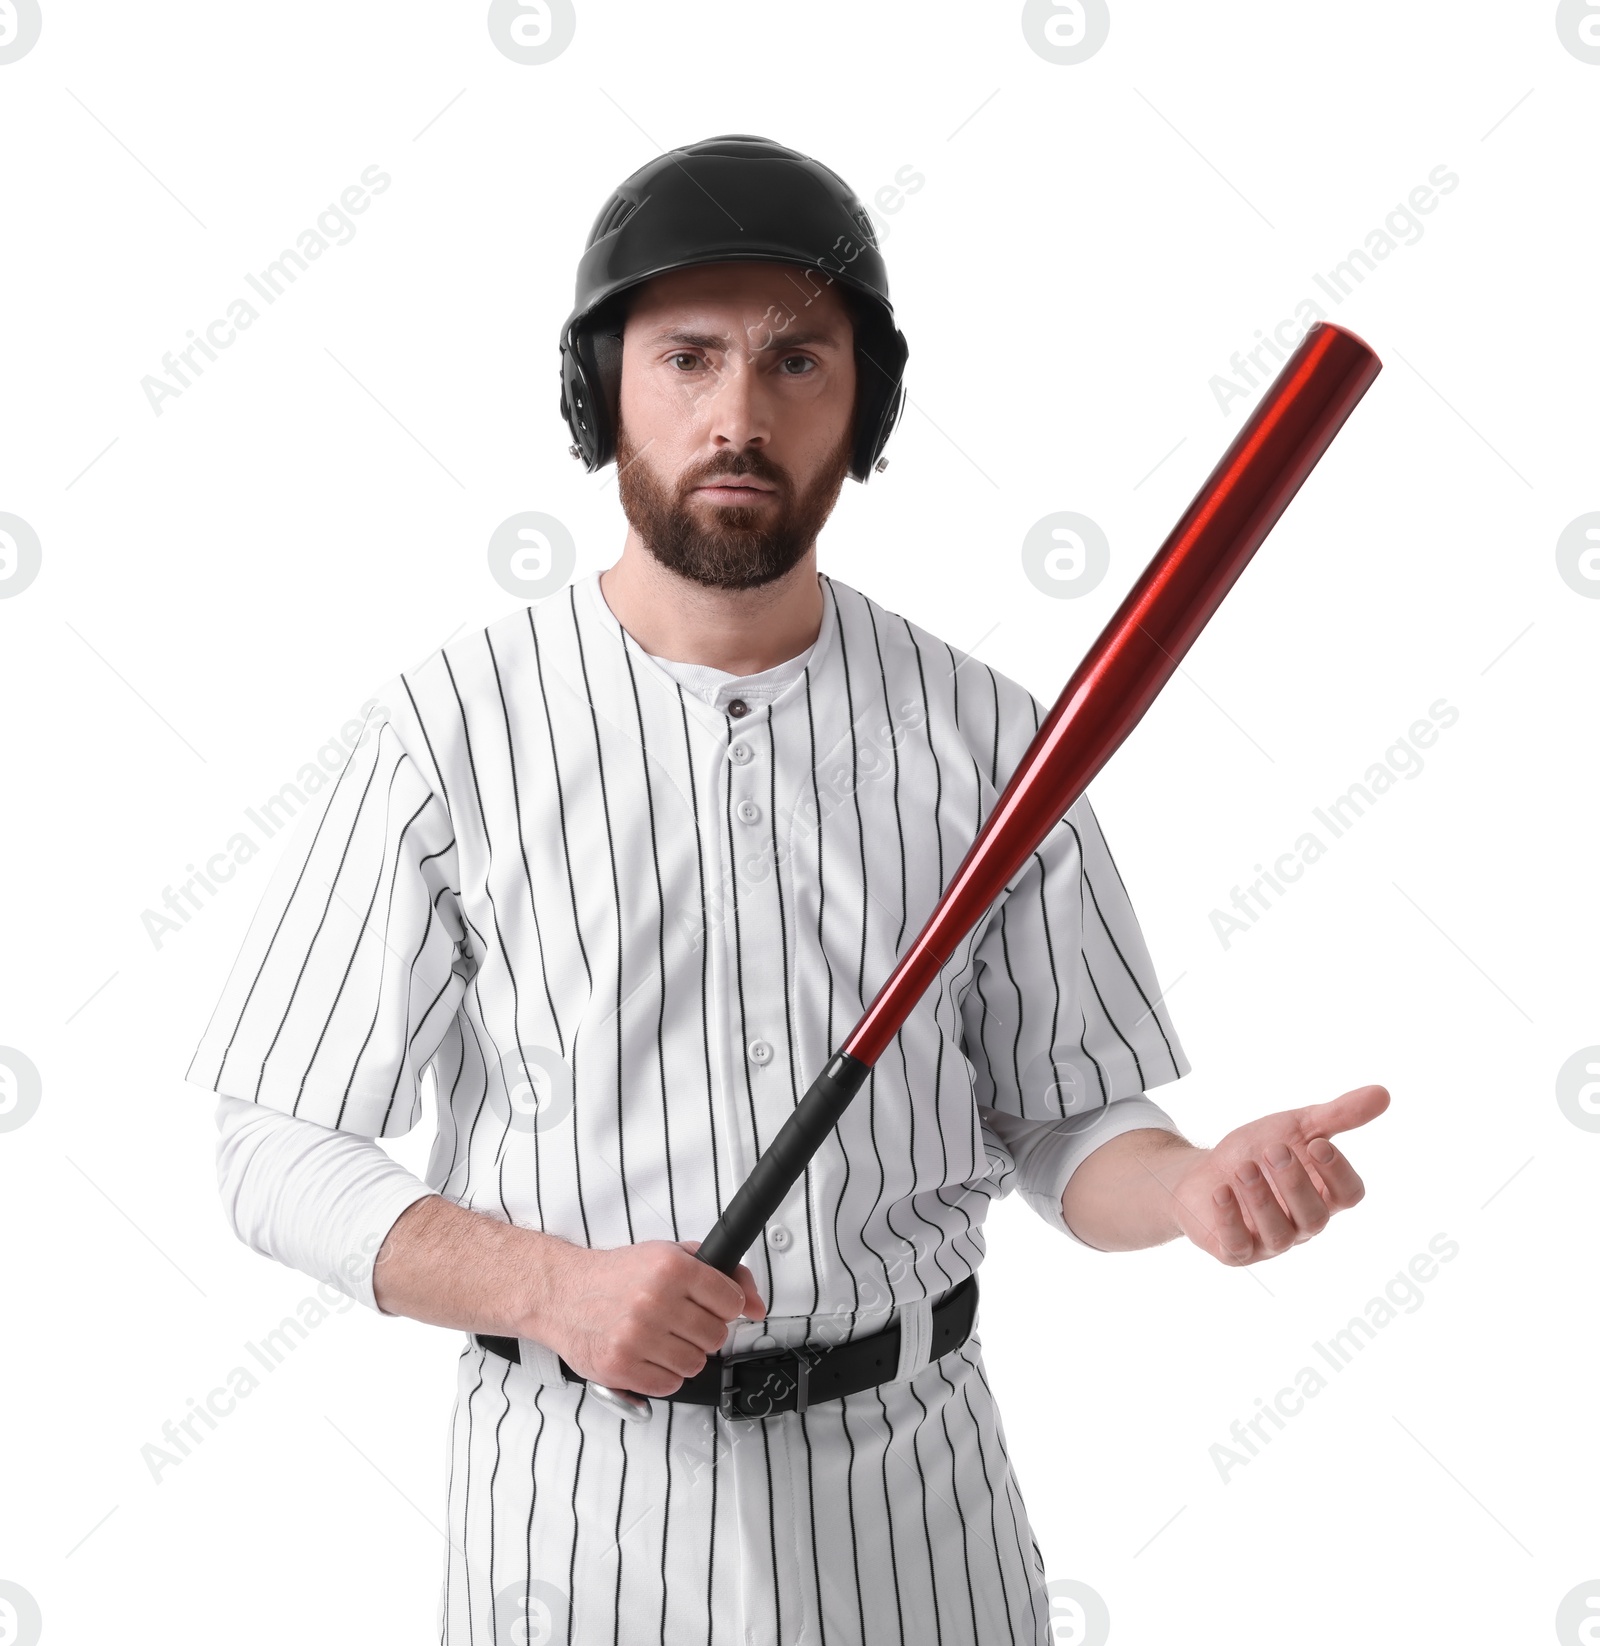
[1139, 649]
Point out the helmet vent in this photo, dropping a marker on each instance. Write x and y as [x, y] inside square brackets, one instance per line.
[617, 212]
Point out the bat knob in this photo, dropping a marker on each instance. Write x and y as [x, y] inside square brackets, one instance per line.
[633, 1407]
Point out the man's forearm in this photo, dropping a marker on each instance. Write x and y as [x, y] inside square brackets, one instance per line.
[1121, 1198]
[448, 1266]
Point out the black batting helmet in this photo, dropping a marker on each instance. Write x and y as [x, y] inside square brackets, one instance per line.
[728, 199]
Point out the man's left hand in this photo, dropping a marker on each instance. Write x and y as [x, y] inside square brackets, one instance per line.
[1275, 1182]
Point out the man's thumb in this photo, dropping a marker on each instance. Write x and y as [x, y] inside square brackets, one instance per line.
[755, 1306]
[1348, 1110]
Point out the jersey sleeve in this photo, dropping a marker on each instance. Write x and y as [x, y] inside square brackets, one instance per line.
[351, 970]
[1062, 1016]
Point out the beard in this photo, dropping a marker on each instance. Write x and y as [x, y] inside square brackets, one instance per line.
[728, 546]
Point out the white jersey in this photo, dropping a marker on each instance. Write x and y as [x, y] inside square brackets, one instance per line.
[626, 927]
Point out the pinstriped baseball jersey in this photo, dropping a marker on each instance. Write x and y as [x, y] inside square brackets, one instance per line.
[624, 929]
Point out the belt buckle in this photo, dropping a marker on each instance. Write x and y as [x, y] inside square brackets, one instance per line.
[801, 1376]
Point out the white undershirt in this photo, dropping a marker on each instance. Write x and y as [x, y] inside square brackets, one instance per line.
[719, 689]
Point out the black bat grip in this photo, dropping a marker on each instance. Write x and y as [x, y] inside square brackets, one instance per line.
[783, 1162]
[780, 1167]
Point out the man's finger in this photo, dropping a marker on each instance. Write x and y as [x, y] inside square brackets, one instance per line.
[1235, 1243]
[1255, 1192]
[1296, 1190]
[726, 1295]
[654, 1379]
[707, 1329]
[1343, 1187]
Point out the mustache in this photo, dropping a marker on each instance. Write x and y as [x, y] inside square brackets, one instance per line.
[740, 469]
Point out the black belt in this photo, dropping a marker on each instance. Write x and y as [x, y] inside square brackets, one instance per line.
[790, 1380]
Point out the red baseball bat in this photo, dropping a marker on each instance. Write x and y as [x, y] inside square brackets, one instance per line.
[1134, 657]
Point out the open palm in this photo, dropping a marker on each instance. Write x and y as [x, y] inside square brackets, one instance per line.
[1276, 1181]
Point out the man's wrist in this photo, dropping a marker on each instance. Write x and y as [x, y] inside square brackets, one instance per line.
[538, 1265]
[447, 1265]
[1169, 1162]
[1124, 1196]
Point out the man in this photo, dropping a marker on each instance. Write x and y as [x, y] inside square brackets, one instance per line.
[621, 868]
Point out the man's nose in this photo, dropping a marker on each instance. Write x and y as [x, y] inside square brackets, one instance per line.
[736, 406]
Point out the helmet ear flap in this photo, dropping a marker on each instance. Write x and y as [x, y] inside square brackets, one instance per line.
[881, 353]
[881, 357]
[578, 403]
[591, 385]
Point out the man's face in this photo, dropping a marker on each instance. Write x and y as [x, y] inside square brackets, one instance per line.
[744, 374]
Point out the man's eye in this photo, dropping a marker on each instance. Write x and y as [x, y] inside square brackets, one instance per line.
[682, 356]
[801, 359]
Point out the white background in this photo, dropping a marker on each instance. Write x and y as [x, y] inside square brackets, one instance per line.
[222, 584]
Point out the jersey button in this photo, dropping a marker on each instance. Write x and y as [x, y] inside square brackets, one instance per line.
[760, 1051]
[739, 754]
[738, 708]
[749, 811]
[778, 1238]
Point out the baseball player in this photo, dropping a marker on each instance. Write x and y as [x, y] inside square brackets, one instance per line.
[617, 868]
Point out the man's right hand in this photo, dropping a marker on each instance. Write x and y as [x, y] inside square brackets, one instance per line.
[642, 1317]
